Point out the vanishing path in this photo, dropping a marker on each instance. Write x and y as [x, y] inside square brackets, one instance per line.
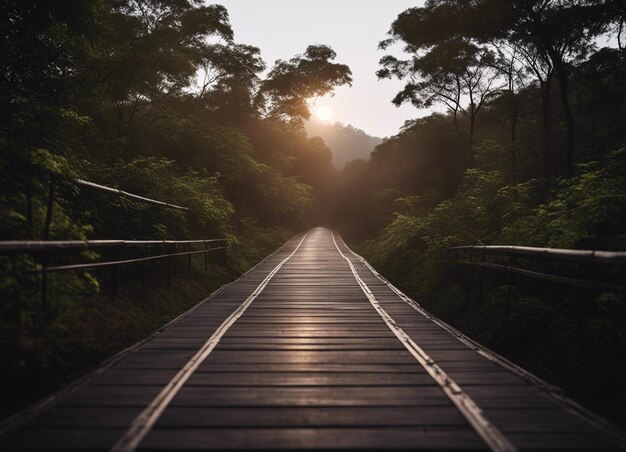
[310, 349]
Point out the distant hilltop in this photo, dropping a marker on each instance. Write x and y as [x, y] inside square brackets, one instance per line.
[346, 142]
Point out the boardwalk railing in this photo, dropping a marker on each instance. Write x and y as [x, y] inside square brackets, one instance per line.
[42, 251]
[477, 257]
[49, 245]
[126, 194]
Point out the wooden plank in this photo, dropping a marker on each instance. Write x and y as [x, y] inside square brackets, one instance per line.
[311, 347]
[314, 357]
[112, 396]
[88, 417]
[318, 438]
[539, 420]
[312, 379]
[35, 438]
[309, 367]
[236, 340]
[140, 377]
[256, 377]
[297, 417]
[561, 441]
[310, 396]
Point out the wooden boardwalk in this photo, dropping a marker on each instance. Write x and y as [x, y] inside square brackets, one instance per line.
[310, 349]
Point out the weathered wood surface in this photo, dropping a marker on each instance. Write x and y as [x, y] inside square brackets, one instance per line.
[309, 364]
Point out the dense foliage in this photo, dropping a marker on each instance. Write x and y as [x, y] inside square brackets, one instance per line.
[530, 151]
[156, 98]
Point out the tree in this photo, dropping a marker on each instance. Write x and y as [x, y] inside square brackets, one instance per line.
[43, 46]
[558, 33]
[539, 65]
[153, 52]
[508, 64]
[443, 68]
[552, 35]
[230, 80]
[290, 84]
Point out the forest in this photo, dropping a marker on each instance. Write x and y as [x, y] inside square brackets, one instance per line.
[530, 151]
[155, 97]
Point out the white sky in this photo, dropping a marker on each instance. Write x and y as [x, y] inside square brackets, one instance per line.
[353, 28]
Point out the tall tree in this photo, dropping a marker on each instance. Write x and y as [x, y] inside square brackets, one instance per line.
[230, 79]
[562, 30]
[154, 51]
[552, 34]
[290, 84]
[452, 71]
[539, 66]
[509, 64]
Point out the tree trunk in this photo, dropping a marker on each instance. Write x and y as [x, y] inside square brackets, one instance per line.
[455, 119]
[569, 120]
[562, 76]
[513, 118]
[46, 227]
[513, 137]
[547, 142]
[29, 207]
[472, 118]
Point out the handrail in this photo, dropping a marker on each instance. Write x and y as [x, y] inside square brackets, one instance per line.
[43, 269]
[60, 268]
[566, 255]
[33, 246]
[44, 245]
[609, 257]
[119, 192]
[546, 277]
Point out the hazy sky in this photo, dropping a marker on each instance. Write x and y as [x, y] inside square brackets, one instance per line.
[353, 28]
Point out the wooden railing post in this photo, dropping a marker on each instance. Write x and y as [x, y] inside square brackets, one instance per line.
[115, 281]
[481, 285]
[144, 278]
[49, 208]
[18, 302]
[170, 264]
[44, 292]
[221, 256]
[469, 278]
[509, 286]
[189, 259]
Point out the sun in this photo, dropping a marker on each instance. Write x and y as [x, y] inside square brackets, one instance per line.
[324, 113]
